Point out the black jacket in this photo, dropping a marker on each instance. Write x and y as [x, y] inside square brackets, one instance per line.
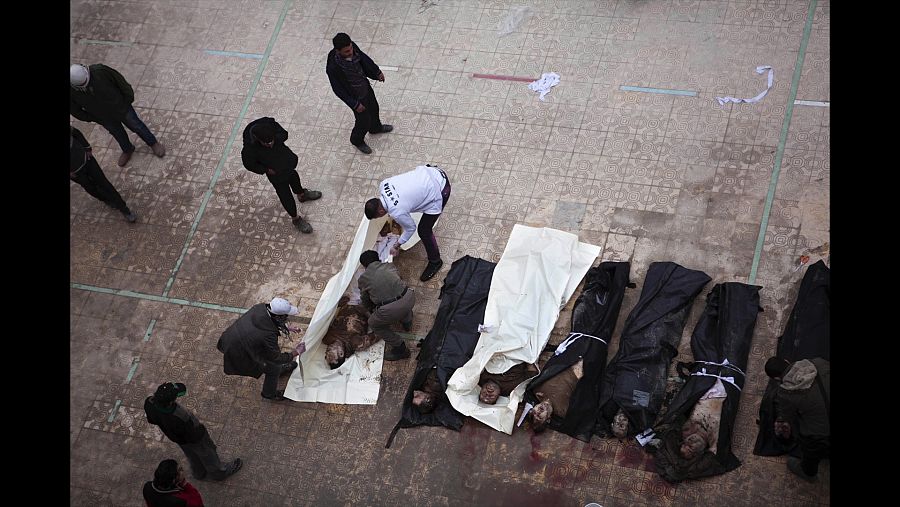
[338, 79]
[257, 158]
[180, 426]
[78, 147]
[251, 341]
[106, 99]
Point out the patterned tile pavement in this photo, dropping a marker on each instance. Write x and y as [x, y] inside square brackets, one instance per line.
[647, 176]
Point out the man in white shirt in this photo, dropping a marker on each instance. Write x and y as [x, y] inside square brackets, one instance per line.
[424, 190]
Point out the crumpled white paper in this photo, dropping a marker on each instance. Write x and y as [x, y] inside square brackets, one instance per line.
[548, 80]
[759, 70]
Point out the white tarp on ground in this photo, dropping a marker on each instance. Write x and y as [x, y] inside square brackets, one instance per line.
[358, 380]
[537, 274]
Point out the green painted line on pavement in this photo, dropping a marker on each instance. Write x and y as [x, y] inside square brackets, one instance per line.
[149, 330]
[134, 365]
[231, 138]
[161, 299]
[782, 141]
[115, 409]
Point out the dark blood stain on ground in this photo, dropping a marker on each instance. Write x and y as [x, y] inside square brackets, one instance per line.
[534, 461]
[525, 495]
[632, 457]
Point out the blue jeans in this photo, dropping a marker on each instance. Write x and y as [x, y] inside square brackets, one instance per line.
[134, 124]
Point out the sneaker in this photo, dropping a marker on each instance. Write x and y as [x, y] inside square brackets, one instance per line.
[303, 225]
[124, 158]
[309, 195]
[407, 326]
[398, 352]
[431, 269]
[279, 396]
[158, 149]
[235, 466]
[794, 466]
[364, 148]
[385, 129]
[131, 217]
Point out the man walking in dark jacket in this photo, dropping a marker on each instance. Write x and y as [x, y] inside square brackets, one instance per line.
[183, 428]
[803, 402]
[84, 170]
[265, 153]
[99, 94]
[348, 69]
[250, 345]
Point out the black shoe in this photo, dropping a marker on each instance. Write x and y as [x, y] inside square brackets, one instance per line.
[287, 368]
[364, 148]
[407, 326]
[279, 396]
[309, 195]
[131, 217]
[302, 225]
[794, 466]
[385, 129]
[235, 466]
[398, 352]
[431, 269]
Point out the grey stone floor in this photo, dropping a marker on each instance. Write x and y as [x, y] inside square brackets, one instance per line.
[647, 176]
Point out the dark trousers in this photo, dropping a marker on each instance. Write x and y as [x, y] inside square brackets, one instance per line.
[270, 381]
[813, 450]
[134, 124]
[381, 318]
[366, 121]
[286, 188]
[426, 224]
[204, 460]
[94, 182]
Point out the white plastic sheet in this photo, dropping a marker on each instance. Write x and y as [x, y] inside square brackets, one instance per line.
[535, 277]
[759, 70]
[358, 380]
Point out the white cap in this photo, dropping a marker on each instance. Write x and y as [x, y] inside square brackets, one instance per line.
[280, 306]
[78, 75]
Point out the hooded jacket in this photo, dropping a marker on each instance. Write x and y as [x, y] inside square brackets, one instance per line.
[177, 424]
[258, 158]
[800, 400]
[106, 98]
[251, 341]
[339, 83]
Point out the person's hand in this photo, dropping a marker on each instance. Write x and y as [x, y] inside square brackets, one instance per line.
[88, 154]
[360, 108]
[381, 77]
[395, 250]
[181, 482]
[299, 349]
[271, 172]
[71, 176]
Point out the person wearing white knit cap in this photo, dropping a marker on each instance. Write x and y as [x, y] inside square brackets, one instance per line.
[100, 94]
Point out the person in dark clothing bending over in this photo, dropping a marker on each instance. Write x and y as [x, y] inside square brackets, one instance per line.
[84, 170]
[99, 94]
[250, 345]
[803, 402]
[265, 153]
[182, 427]
[349, 71]
[170, 488]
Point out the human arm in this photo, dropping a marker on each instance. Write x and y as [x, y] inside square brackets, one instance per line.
[77, 111]
[280, 133]
[80, 139]
[409, 227]
[248, 157]
[368, 65]
[271, 351]
[189, 494]
[340, 90]
[121, 83]
[364, 287]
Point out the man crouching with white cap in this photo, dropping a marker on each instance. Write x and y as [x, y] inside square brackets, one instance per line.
[100, 94]
[250, 345]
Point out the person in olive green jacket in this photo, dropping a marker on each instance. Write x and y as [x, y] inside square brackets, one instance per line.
[100, 94]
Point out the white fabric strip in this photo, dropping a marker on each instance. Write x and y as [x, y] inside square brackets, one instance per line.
[528, 407]
[730, 380]
[571, 338]
[726, 364]
[759, 70]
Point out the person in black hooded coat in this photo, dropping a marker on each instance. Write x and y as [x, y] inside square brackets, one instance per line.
[265, 153]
